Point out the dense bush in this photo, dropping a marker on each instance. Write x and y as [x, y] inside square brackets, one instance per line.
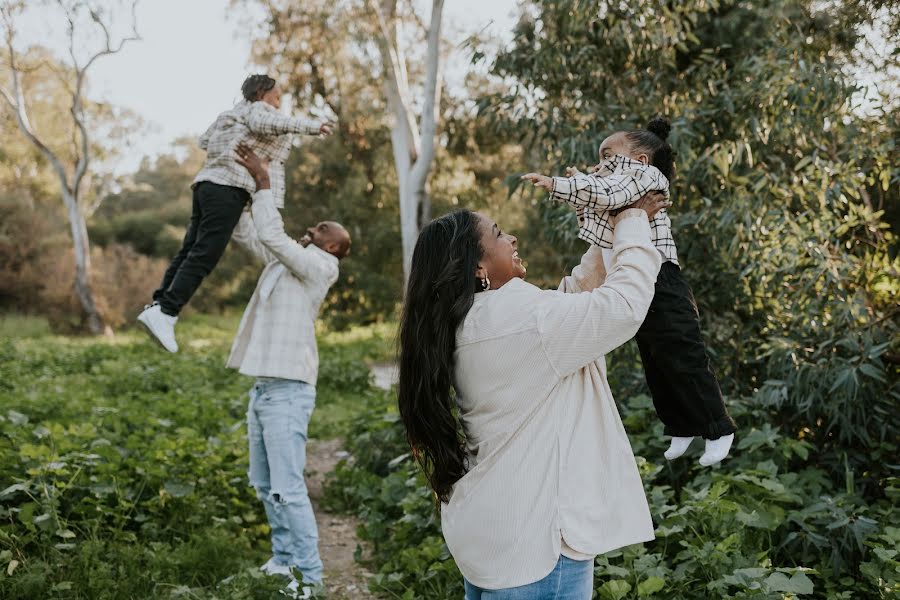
[37, 272]
[785, 222]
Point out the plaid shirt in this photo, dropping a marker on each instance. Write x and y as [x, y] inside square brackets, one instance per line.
[277, 334]
[616, 183]
[265, 130]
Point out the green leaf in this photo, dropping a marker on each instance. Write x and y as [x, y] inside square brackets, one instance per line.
[615, 589]
[178, 489]
[798, 584]
[16, 487]
[650, 586]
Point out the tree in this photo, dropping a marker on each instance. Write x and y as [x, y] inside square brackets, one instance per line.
[79, 15]
[413, 145]
[786, 223]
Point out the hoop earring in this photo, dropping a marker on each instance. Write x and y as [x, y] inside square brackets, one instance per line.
[485, 283]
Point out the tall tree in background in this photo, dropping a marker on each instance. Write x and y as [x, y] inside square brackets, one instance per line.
[84, 21]
[413, 145]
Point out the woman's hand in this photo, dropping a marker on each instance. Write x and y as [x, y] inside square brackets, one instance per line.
[537, 180]
[326, 128]
[651, 203]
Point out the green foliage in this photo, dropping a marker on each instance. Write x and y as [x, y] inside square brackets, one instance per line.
[123, 468]
[786, 215]
[382, 485]
[769, 522]
[785, 220]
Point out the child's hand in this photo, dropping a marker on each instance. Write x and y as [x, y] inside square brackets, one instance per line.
[572, 171]
[541, 181]
[326, 128]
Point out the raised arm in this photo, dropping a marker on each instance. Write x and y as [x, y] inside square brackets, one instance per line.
[619, 187]
[577, 329]
[262, 120]
[304, 263]
[621, 183]
[589, 274]
[245, 235]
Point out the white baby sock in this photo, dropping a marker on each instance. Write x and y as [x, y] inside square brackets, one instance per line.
[679, 446]
[716, 450]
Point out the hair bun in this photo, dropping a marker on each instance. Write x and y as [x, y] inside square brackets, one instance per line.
[660, 127]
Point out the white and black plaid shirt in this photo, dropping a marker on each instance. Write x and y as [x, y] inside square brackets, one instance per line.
[265, 130]
[616, 183]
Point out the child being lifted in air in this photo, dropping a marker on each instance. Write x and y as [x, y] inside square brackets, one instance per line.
[221, 191]
[685, 390]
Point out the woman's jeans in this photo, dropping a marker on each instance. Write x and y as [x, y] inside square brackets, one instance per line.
[277, 421]
[569, 580]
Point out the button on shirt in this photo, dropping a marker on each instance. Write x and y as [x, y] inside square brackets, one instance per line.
[277, 334]
[265, 130]
[549, 460]
[617, 182]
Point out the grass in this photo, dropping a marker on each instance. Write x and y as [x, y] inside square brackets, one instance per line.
[16, 326]
[123, 468]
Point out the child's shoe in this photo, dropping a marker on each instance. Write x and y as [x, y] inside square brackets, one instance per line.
[678, 447]
[160, 326]
[716, 450]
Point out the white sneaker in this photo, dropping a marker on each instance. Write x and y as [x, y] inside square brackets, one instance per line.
[160, 326]
[272, 567]
[303, 591]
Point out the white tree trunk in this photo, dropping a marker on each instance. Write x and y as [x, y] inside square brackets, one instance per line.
[413, 153]
[14, 98]
[82, 251]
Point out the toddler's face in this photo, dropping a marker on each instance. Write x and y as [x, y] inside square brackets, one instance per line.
[273, 96]
[618, 143]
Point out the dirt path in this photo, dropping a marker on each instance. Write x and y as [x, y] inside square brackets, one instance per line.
[344, 577]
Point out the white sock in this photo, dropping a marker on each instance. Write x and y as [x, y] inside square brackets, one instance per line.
[716, 450]
[678, 447]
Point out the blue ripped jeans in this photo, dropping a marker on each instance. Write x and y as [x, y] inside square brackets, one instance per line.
[569, 580]
[277, 421]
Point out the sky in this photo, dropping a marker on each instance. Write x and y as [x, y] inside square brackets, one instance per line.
[193, 56]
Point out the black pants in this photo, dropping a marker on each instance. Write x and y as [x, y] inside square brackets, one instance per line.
[216, 211]
[685, 390]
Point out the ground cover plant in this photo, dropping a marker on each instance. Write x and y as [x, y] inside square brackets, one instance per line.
[123, 468]
[768, 523]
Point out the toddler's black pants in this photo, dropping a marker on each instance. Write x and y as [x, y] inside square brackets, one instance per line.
[685, 390]
[215, 213]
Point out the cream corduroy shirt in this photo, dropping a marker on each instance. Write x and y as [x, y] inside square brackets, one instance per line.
[549, 458]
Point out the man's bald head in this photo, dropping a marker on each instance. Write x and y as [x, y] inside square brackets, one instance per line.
[330, 236]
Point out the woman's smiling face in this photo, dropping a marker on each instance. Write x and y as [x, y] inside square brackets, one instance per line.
[500, 261]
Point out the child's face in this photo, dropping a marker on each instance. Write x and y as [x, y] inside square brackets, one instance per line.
[618, 143]
[273, 96]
